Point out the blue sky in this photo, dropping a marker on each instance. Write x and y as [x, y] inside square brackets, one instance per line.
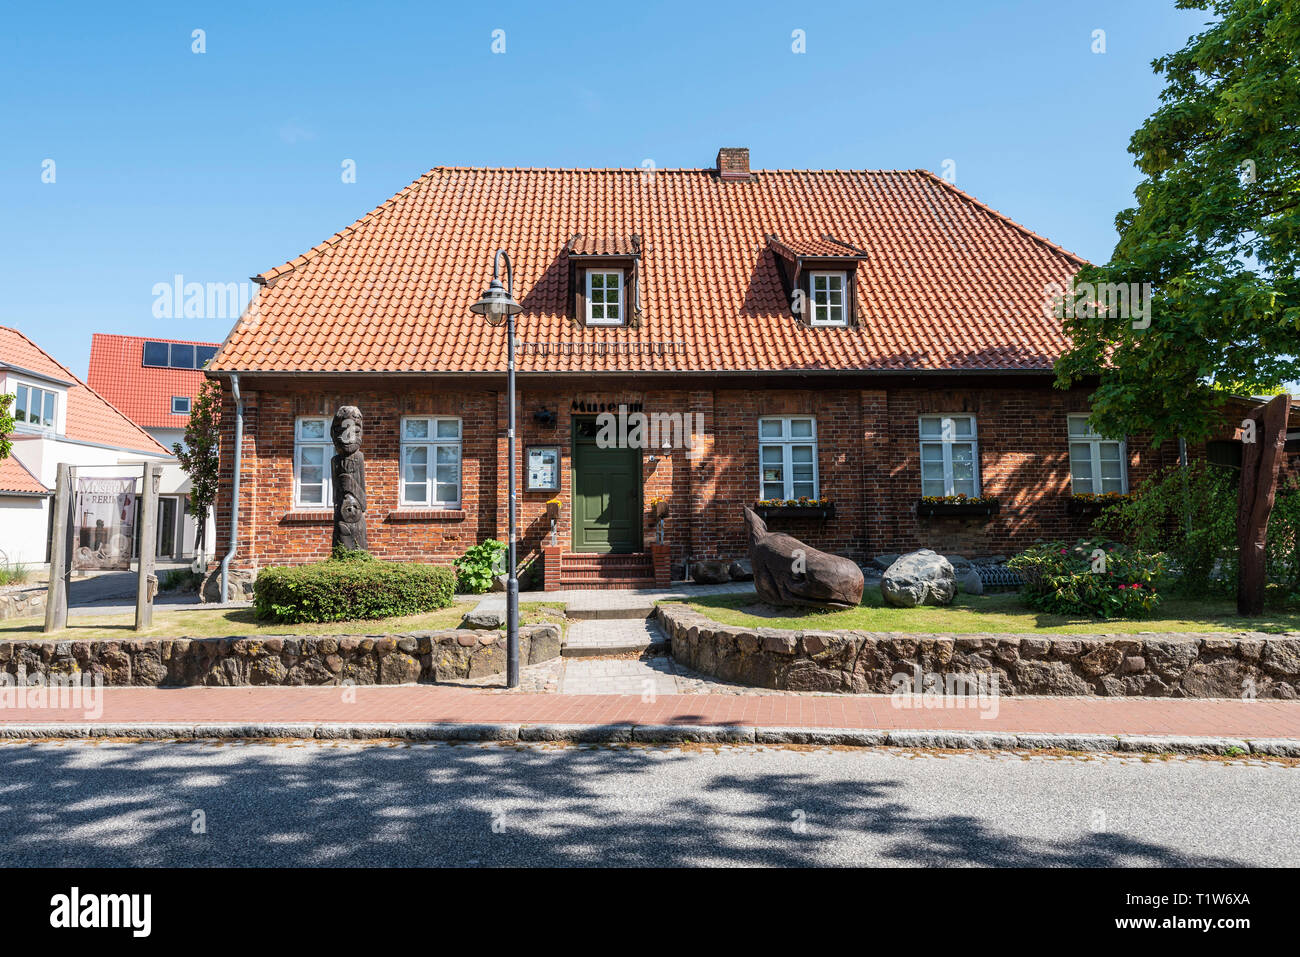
[219, 165]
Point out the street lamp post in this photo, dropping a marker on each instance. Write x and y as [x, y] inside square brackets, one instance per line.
[497, 305]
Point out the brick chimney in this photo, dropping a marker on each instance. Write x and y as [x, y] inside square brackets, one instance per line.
[733, 163]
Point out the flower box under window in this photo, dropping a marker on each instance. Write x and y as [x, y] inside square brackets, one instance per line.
[956, 506]
[820, 509]
[1092, 504]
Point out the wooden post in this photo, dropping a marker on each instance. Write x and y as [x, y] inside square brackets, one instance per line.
[1259, 464]
[146, 584]
[56, 598]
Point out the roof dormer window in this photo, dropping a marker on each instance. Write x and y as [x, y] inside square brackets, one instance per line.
[34, 408]
[604, 280]
[820, 277]
[605, 299]
[828, 301]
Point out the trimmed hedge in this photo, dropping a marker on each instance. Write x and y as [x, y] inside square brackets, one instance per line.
[351, 587]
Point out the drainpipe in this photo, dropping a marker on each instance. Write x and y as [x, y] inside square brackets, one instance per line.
[234, 490]
[1182, 464]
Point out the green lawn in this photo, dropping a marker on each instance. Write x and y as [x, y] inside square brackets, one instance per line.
[995, 613]
[215, 622]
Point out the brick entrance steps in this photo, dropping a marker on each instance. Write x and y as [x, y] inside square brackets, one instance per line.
[583, 570]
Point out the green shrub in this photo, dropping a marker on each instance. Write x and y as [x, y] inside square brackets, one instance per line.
[1202, 550]
[1283, 558]
[15, 574]
[351, 587]
[1074, 579]
[479, 565]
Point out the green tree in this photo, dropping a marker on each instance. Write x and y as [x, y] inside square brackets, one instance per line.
[201, 454]
[1216, 234]
[6, 425]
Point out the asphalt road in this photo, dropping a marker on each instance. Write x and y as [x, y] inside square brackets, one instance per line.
[135, 804]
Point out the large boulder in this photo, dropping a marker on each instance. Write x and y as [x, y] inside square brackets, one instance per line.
[741, 571]
[788, 572]
[710, 571]
[968, 580]
[919, 578]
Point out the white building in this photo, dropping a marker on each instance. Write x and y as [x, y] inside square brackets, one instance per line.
[59, 419]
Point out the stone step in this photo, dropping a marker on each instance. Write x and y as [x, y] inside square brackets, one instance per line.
[604, 607]
[616, 636]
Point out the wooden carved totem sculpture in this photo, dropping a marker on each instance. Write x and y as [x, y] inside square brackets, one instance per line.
[1259, 466]
[349, 470]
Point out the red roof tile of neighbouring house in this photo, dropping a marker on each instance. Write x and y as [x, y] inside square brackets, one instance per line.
[90, 417]
[14, 477]
[143, 393]
[943, 281]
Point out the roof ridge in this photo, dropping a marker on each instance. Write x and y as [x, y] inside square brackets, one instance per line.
[123, 335]
[386, 206]
[1002, 216]
[77, 379]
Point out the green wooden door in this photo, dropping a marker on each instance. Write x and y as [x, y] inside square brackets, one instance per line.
[606, 494]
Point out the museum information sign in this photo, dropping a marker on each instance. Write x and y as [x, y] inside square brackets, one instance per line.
[105, 523]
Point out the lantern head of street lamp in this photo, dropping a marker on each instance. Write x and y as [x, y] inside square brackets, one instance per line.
[496, 304]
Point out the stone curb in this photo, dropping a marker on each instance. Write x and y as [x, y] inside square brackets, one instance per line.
[667, 734]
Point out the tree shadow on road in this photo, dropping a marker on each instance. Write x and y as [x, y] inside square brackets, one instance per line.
[300, 804]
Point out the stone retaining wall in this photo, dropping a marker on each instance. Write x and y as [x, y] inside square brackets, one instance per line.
[428, 656]
[22, 604]
[1193, 665]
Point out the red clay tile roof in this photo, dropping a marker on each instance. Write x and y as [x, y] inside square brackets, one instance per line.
[91, 417]
[946, 282]
[14, 477]
[142, 393]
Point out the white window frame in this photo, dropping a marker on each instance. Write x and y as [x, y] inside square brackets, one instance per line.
[26, 426]
[1095, 440]
[947, 439]
[828, 306]
[189, 404]
[621, 302]
[326, 444]
[432, 443]
[787, 442]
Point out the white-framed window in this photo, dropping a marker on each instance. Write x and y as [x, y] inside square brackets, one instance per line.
[430, 462]
[950, 459]
[312, 450]
[180, 405]
[787, 457]
[605, 306]
[1097, 464]
[828, 298]
[35, 407]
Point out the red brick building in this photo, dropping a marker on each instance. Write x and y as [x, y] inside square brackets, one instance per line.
[856, 338]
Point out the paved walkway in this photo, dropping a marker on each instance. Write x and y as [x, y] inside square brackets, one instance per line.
[426, 703]
[612, 636]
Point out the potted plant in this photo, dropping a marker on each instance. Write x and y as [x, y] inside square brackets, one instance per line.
[791, 508]
[553, 508]
[957, 505]
[658, 508]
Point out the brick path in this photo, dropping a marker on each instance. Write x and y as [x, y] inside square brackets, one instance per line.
[1249, 719]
